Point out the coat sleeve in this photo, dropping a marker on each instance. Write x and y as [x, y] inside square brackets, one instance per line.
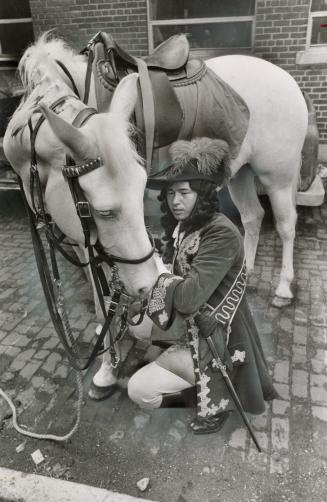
[218, 250]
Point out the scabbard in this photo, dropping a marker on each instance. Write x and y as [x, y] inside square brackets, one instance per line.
[231, 390]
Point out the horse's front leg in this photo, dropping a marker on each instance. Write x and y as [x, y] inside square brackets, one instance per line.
[244, 195]
[283, 205]
[83, 257]
[104, 382]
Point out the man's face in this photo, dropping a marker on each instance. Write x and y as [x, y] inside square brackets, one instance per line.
[181, 199]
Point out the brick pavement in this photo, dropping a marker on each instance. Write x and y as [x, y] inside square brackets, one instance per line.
[117, 443]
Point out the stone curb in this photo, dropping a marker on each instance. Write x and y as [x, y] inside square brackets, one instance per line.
[15, 485]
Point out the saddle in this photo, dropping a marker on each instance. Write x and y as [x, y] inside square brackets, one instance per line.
[171, 55]
[169, 65]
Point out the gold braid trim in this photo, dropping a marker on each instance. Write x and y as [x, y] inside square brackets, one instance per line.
[225, 311]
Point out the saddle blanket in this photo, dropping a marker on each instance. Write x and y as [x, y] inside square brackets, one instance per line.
[213, 109]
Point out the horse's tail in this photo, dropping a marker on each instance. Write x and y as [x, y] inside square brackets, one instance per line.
[309, 165]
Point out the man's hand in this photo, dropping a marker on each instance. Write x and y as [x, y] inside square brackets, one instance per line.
[162, 268]
[207, 325]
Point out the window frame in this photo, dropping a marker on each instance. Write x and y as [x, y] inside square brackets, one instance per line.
[204, 51]
[6, 56]
[312, 54]
[313, 14]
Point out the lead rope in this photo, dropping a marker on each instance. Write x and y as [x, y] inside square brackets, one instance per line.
[78, 375]
[79, 382]
[54, 437]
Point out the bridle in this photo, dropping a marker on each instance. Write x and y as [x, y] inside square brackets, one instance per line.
[39, 218]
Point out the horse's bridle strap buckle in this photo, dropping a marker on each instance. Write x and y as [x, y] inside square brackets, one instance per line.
[83, 209]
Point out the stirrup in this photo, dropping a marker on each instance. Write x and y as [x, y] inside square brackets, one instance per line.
[210, 424]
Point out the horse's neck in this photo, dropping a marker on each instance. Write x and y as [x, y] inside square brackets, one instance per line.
[77, 70]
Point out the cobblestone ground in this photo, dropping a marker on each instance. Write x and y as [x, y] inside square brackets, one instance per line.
[117, 443]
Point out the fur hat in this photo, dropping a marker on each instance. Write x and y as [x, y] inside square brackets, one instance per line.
[199, 159]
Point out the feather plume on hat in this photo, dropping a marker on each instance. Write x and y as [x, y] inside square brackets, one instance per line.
[199, 159]
[209, 156]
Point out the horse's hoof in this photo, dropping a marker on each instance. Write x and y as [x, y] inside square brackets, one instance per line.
[99, 393]
[280, 302]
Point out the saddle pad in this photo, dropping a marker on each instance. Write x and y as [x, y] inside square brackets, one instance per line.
[213, 109]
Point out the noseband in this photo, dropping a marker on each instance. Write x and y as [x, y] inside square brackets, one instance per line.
[40, 218]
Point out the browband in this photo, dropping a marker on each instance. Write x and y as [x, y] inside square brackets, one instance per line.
[79, 169]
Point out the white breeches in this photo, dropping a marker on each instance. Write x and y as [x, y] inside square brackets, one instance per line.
[171, 372]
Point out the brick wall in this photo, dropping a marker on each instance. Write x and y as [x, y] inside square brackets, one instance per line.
[78, 20]
[281, 30]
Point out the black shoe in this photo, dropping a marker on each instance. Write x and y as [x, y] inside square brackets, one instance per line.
[184, 399]
[163, 344]
[210, 424]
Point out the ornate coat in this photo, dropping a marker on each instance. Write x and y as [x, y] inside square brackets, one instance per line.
[204, 296]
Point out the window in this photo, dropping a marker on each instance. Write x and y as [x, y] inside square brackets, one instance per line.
[211, 26]
[317, 29]
[16, 30]
[315, 51]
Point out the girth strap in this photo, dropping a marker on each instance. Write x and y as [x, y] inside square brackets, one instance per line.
[148, 110]
[88, 77]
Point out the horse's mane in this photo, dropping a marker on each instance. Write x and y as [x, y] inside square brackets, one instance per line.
[41, 75]
[47, 91]
[40, 59]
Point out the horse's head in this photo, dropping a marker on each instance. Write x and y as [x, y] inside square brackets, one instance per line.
[114, 190]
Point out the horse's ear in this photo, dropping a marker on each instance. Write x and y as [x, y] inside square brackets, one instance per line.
[70, 136]
[125, 96]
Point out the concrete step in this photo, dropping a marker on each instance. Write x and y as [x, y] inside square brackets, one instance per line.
[314, 196]
[15, 485]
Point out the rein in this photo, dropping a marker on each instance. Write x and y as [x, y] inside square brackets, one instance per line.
[54, 296]
[69, 75]
[87, 76]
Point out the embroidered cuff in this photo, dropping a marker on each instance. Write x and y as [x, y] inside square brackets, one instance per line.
[161, 302]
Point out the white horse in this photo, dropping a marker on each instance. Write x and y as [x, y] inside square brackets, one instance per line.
[271, 151]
